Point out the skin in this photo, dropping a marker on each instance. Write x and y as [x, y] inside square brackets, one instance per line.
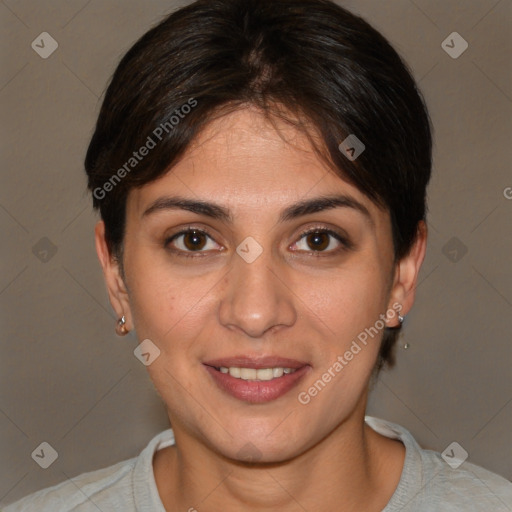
[291, 301]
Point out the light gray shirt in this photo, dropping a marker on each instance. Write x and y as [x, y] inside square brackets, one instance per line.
[428, 483]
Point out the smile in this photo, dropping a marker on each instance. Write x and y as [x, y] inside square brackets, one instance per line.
[256, 373]
[256, 380]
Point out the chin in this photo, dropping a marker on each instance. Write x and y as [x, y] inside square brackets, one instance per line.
[262, 441]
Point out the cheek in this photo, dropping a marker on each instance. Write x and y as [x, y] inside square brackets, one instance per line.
[347, 301]
[172, 311]
[167, 306]
[349, 318]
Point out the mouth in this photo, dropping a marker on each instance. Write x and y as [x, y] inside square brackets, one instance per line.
[256, 380]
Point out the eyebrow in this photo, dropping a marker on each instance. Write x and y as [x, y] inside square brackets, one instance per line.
[294, 211]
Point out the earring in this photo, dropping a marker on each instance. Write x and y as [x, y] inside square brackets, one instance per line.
[121, 329]
[400, 318]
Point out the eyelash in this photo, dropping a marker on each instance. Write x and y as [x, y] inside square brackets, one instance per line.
[345, 243]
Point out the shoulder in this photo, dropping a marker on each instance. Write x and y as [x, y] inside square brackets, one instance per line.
[468, 485]
[128, 486]
[82, 493]
[431, 482]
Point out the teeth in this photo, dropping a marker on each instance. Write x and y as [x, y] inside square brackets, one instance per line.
[235, 372]
[247, 373]
[263, 374]
[277, 372]
[256, 374]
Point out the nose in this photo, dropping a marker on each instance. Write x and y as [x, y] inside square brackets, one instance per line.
[256, 298]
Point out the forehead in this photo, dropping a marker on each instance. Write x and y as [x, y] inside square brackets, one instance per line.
[248, 162]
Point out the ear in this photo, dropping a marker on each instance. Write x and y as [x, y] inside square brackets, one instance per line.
[407, 269]
[116, 287]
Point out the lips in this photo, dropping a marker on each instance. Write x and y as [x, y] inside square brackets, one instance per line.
[256, 391]
[256, 362]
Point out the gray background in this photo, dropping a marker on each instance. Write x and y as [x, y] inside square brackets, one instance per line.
[66, 379]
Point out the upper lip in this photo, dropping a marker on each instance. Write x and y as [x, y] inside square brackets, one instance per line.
[255, 362]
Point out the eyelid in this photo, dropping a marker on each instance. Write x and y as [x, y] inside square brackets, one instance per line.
[340, 236]
[188, 229]
[185, 231]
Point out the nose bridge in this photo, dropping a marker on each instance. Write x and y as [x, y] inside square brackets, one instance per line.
[255, 299]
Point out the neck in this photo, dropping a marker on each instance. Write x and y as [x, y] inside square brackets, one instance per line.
[352, 469]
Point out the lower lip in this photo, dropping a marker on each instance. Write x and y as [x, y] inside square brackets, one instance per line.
[257, 391]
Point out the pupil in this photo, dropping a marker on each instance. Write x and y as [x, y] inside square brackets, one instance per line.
[195, 240]
[319, 240]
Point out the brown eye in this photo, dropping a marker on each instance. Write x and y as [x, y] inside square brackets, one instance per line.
[194, 240]
[318, 241]
[191, 241]
[322, 240]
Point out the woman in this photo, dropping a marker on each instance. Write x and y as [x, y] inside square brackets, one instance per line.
[261, 171]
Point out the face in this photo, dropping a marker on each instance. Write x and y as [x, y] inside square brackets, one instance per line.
[257, 279]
